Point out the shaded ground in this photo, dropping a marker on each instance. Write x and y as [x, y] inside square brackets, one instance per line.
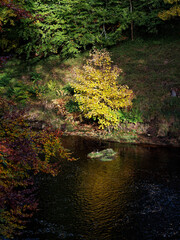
[150, 69]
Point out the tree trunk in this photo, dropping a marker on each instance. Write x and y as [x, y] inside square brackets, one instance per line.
[132, 24]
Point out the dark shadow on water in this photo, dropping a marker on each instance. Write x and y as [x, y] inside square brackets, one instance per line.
[134, 197]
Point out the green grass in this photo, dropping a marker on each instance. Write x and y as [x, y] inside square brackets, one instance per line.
[150, 69]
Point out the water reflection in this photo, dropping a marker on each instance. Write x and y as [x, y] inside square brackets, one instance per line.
[134, 197]
[102, 194]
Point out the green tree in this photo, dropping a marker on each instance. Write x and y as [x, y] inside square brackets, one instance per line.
[69, 26]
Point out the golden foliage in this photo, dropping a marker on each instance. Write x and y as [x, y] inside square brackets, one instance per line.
[172, 12]
[97, 92]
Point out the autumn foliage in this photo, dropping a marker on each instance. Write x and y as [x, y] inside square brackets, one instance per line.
[97, 92]
[22, 153]
[173, 11]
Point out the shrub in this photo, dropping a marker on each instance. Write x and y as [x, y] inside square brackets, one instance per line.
[72, 106]
[19, 91]
[13, 89]
[132, 116]
[96, 90]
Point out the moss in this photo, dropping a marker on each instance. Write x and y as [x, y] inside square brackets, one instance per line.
[104, 155]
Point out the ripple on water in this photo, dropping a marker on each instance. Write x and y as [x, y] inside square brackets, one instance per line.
[133, 197]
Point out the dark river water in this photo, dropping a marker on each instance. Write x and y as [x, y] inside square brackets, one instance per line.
[134, 197]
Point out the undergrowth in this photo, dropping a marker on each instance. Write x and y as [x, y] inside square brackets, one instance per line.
[150, 69]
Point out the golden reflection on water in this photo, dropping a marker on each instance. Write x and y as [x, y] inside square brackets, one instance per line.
[96, 200]
[102, 193]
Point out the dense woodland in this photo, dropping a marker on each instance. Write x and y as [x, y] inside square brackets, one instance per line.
[42, 27]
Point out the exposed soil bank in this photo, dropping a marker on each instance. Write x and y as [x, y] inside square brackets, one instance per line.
[128, 136]
[152, 133]
[141, 139]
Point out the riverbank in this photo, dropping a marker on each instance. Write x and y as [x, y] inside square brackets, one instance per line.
[150, 68]
[143, 134]
[128, 137]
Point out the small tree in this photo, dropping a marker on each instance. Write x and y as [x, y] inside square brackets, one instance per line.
[97, 92]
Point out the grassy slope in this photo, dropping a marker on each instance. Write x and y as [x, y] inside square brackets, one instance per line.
[150, 68]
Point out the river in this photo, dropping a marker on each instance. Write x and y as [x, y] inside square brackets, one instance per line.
[133, 197]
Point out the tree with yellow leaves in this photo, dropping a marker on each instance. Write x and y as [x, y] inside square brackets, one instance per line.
[97, 92]
[172, 12]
